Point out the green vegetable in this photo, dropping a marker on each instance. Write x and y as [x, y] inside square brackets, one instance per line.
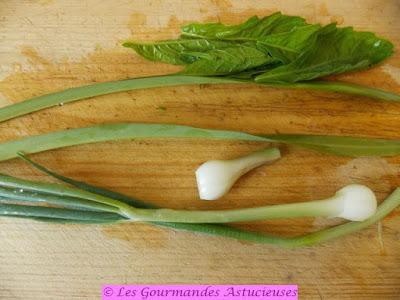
[335, 51]
[341, 145]
[277, 51]
[252, 29]
[219, 230]
[87, 220]
[328, 207]
[229, 60]
[26, 186]
[347, 146]
[98, 89]
[297, 51]
[169, 51]
[78, 93]
[12, 210]
[87, 187]
[65, 201]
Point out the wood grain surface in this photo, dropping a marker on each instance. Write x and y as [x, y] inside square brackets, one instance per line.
[51, 45]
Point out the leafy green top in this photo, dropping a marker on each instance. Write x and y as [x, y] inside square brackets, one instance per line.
[275, 48]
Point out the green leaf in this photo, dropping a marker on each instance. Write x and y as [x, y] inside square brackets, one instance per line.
[231, 60]
[218, 30]
[230, 49]
[336, 50]
[175, 51]
[278, 36]
[253, 28]
[287, 46]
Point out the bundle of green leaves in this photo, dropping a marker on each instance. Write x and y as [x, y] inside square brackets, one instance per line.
[276, 48]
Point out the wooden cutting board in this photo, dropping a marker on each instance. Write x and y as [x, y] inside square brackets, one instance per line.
[52, 45]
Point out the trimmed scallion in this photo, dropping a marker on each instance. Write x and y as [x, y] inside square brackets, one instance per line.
[79, 93]
[346, 146]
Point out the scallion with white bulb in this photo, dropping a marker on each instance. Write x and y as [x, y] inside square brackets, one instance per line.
[353, 202]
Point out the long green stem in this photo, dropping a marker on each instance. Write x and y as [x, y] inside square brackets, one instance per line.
[320, 208]
[19, 194]
[306, 209]
[60, 190]
[107, 132]
[12, 210]
[88, 91]
[169, 215]
[86, 221]
[350, 146]
[98, 89]
[340, 87]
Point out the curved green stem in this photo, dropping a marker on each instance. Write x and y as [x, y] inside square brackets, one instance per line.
[12, 210]
[108, 132]
[60, 190]
[340, 87]
[349, 146]
[104, 88]
[87, 221]
[19, 194]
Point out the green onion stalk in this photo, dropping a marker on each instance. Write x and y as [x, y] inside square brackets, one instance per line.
[337, 145]
[104, 88]
[87, 204]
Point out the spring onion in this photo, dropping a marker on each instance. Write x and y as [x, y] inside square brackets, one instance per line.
[346, 146]
[83, 92]
[336, 206]
[214, 229]
[85, 217]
